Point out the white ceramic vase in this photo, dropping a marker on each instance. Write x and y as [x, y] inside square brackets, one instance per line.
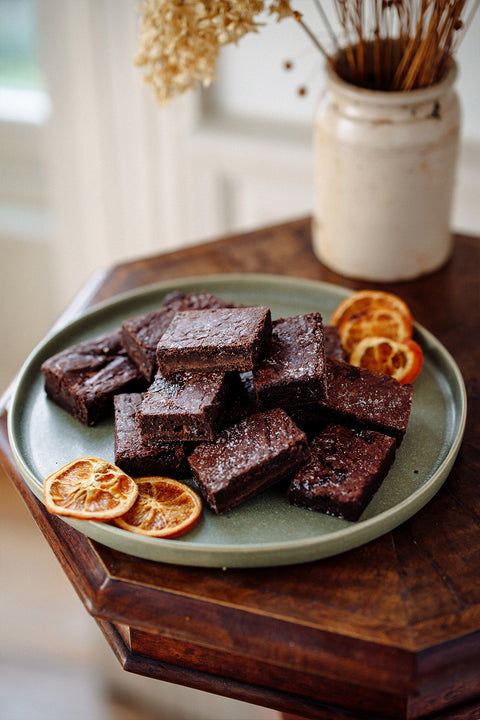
[384, 179]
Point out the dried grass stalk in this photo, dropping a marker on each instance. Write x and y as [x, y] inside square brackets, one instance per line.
[381, 44]
[399, 44]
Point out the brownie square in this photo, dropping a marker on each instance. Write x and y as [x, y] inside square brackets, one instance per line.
[141, 334]
[333, 344]
[247, 458]
[293, 372]
[242, 398]
[362, 398]
[179, 300]
[346, 468]
[136, 457]
[84, 378]
[185, 406]
[216, 339]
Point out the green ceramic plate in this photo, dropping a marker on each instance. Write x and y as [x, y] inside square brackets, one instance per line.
[266, 530]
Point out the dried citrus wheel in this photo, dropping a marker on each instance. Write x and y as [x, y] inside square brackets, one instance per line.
[89, 489]
[376, 320]
[164, 508]
[401, 360]
[363, 299]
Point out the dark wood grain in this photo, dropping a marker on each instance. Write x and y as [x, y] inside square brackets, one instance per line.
[389, 630]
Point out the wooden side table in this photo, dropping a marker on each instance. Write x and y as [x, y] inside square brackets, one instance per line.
[389, 630]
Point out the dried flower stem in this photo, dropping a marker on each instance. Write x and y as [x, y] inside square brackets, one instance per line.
[328, 25]
[396, 44]
[313, 38]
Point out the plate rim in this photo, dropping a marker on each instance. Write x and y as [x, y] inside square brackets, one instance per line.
[267, 553]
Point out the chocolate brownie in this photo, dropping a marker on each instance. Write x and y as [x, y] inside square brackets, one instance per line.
[247, 458]
[217, 339]
[179, 300]
[84, 378]
[333, 344]
[136, 457]
[141, 334]
[242, 398]
[359, 397]
[346, 468]
[184, 406]
[293, 372]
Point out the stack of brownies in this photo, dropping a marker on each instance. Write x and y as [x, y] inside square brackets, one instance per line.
[240, 401]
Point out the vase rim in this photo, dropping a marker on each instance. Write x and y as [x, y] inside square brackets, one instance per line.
[393, 96]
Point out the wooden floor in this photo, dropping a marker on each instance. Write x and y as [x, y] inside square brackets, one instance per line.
[55, 663]
[49, 655]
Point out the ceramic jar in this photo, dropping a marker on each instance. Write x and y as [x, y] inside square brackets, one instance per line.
[384, 179]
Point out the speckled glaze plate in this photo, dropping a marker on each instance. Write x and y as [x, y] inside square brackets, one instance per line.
[266, 530]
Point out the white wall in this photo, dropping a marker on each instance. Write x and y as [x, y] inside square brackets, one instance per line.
[112, 176]
[128, 178]
[253, 82]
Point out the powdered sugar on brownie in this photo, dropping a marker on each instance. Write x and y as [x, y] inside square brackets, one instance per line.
[217, 339]
[293, 372]
[248, 457]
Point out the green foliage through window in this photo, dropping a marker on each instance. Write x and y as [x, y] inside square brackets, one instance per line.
[19, 67]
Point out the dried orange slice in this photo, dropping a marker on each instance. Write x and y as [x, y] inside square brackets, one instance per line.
[363, 299]
[401, 360]
[164, 508]
[377, 320]
[89, 489]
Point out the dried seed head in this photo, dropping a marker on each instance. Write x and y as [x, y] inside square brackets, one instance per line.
[180, 40]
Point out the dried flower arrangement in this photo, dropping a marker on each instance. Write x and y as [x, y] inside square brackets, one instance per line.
[382, 44]
[399, 44]
[180, 40]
